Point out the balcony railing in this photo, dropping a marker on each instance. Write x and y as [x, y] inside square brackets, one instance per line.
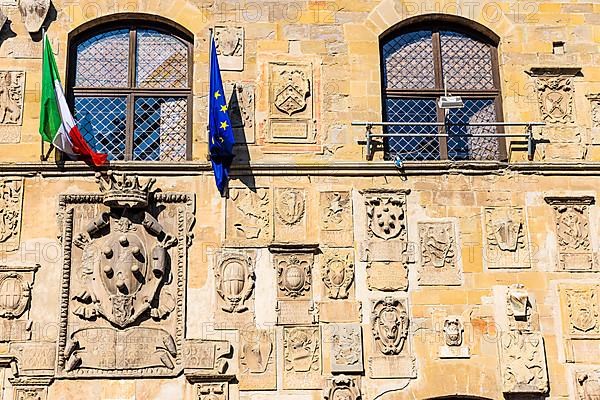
[411, 138]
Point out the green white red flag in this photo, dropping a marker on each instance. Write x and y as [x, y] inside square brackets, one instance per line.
[57, 125]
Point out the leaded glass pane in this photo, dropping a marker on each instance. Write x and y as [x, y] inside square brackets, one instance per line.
[103, 60]
[160, 128]
[102, 123]
[162, 61]
[412, 110]
[473, 148]
[466, 62]
[408, 61]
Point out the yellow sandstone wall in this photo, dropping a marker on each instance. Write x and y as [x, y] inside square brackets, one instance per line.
[556, 263]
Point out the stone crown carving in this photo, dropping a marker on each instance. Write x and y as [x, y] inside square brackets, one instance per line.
[120, 190]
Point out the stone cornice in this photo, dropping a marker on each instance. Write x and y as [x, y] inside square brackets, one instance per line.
[333, 168]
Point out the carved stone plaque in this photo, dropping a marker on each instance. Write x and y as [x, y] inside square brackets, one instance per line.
[241, 109]
[11, 204]
[291, 103]
[523, 362]
[346, 348]
[386, 215]
[573, 233]
[34, 13]
[520, 310]
[439, 264]
[506, 238]
[294, 269]
[339, 311]
[342, 388]
[213, 391]
[555, 95]
[249, 217]
[335, 210]
[454, 346]
[16, 283]
[34, 358]
[583, 311]
[337, 273]
[234, 284]
[594, 109]
[229, 41]
[258, 363]
[387, 276]
[389, 326]
[123, 284]
[12, 94]
[295, 312]
[587, 383]
[210, 357]
[290, 215]
[302, 358]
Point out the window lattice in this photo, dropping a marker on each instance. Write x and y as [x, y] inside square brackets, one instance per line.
[161, 61]
[102, 123]
[103, 60]
[415, 66]
[408, 61]
[412, 110]
[160, 129]
[466, 62]
[131, 96]
[473, 148]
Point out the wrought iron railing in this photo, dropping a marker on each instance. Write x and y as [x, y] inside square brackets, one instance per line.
[369, 135]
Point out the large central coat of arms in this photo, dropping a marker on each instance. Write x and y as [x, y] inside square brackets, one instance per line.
[125, 253]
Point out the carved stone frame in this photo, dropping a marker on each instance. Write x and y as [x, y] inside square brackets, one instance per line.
[185, 220]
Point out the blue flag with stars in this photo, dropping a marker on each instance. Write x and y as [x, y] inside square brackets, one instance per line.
[220, 133]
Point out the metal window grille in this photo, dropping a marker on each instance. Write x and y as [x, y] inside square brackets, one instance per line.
[415, 66]
[132, 101]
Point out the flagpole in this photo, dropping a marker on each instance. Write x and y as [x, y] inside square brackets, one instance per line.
[210, 44]
[42, 155]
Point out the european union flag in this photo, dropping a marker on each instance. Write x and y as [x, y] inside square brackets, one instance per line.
[220, 133]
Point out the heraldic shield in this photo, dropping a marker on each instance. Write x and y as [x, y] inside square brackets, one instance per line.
[125, 260]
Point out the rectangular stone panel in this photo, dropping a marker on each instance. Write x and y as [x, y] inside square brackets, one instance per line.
[258, 359]
[302, 358]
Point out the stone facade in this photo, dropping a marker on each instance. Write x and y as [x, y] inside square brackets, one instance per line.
[320, 274]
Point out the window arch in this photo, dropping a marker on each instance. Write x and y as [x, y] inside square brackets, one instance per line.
[418, 58]
[130, 86]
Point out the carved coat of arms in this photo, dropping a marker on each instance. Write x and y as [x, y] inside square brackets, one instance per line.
[122, 302]
[255, 352]
[347, 346]
[290, 205]
[437, 241]
[390, 325]
[453, 332]
[386, 219]
[572, 228]
[294, 276]
[291, 91]
[228, 40]
[338, 274]
[10, 209]
[34, 13]
[234, 278]
[583, 310]
[556, 99]
[302, 350]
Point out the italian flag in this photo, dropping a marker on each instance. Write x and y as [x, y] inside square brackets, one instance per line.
[57, 125]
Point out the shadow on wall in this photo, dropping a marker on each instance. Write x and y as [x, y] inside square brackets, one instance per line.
[241, 163]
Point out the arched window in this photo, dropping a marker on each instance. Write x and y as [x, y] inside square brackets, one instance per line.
[418, 61]
[130, 84]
